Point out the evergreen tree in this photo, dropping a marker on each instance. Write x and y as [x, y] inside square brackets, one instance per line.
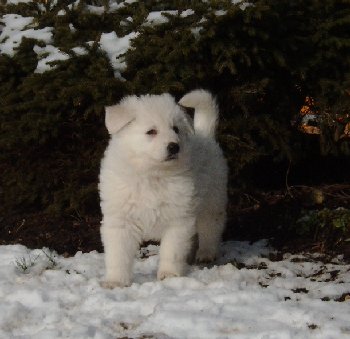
[260, 57]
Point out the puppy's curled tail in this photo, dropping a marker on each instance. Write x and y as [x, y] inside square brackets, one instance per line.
[206, 111]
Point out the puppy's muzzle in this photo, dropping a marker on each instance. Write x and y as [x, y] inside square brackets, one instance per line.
[173, 150]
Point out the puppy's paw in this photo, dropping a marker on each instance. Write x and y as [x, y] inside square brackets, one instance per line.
[164, 274]
[112, 284]
[205, 257]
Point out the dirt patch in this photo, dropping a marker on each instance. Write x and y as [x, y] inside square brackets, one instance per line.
[267, 215]
[273, 215]
[64, 235]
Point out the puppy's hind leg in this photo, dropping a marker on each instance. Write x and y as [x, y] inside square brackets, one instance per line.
[210, 228]
[120, 245]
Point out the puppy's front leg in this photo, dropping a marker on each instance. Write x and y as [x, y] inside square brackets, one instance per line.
[120, 246]
[174, 249]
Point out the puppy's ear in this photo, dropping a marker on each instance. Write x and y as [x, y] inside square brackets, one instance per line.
[117, 117]
[188, 124]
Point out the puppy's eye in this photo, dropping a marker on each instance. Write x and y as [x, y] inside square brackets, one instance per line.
[176, 129]
[152, 132]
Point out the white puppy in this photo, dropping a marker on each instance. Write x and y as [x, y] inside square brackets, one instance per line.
[161, 180]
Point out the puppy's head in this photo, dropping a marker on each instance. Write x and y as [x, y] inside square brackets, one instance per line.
[151, 130]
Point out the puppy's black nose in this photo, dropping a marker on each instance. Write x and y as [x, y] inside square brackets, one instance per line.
[173, 148]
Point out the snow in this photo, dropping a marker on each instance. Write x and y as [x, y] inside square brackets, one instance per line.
[57, 297]
[80, 50]
[187, 12]
[73, 5]
[61, 12]
[14, 30]
[98, 10]
[220, 12]
[50, 54]
[114, 6]
[115, 47]
[16, 2]
[72, 28]
[157, 17]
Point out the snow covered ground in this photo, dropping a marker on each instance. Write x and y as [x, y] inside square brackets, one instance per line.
[251, 292]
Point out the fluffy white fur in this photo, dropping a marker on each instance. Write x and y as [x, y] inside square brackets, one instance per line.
[151, 192]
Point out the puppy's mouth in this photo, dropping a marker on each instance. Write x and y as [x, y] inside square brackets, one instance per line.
[171, 157]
